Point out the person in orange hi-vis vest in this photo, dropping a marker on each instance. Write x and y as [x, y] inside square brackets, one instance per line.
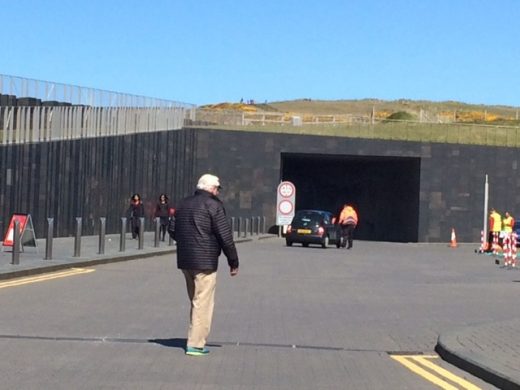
[348, 220]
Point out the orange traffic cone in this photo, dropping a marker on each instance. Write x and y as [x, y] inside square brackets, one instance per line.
[453, 243]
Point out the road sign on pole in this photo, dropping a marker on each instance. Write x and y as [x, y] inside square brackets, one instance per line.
[285, 203]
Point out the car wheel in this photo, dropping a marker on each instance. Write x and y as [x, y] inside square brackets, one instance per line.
[325, 242]
[305, 244]
[288, 243]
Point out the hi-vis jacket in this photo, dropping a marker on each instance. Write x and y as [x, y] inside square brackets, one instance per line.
[495, 222]
[348, 216]
[508, 223]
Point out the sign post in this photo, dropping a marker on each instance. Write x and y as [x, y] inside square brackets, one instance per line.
[285, 203]
[25, 229]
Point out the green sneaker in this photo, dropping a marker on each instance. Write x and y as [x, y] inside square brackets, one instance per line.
[194, 351]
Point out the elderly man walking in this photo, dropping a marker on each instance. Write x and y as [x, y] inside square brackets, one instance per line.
[202, 232]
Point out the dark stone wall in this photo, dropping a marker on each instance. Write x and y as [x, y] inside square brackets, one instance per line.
[94, 178]
[451, 176]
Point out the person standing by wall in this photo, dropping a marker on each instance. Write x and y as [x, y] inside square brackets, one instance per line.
[134, 213]
[202, 231]
[162, 211]
[508, 223]
[495, 226]
[348, 220]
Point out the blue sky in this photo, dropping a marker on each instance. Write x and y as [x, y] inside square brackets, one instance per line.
[214, 51]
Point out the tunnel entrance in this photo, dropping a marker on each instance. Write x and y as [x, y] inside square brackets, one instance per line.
[384, 190]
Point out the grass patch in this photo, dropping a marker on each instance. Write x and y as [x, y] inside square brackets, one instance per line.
[469, 134]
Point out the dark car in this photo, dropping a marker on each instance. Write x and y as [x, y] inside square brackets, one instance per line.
[312, 227]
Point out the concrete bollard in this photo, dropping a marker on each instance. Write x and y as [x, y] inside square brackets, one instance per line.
[157, 232]
[16, 243]
[48, 240]
[122, 236]
[246, 227]
[77, 238]
[141, 233]
[258, 219]
[232, 222]
[170, 239]
[102, 230]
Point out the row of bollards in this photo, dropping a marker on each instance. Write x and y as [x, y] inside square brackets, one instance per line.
[248, 226]
[241, 228]
[101, 242]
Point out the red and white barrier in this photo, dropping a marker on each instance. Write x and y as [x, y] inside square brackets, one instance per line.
[514, 239]
[495, 245]
[509, 247]
[506, 249]
[483, 243]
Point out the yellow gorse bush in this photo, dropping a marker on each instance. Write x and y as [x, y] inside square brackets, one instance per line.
[472, 116]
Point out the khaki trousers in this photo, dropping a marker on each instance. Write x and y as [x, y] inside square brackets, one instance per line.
[201, 291]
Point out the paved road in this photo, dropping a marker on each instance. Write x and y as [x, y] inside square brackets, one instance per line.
[295, 317]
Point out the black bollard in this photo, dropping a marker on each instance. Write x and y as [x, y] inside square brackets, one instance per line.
[141, 233]
[122, 237]
[252, 225]
[157, 232]
[16, 243]
[239, 226]
[48, 241]
[77, 238]
[102, 229]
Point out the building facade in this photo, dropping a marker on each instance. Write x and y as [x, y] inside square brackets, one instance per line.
[404, 191]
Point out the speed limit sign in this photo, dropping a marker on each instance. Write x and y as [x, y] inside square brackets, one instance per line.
[286, 189]
[286, 207]
[285, 203]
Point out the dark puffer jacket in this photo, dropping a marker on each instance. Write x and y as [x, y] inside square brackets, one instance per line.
[202, 232]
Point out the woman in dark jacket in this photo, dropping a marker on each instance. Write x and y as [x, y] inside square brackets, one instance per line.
[134, 213]
[162, 211]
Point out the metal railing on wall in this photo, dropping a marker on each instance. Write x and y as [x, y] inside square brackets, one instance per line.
[38, 111]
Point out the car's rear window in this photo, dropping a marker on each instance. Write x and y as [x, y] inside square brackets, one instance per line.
[307, 219]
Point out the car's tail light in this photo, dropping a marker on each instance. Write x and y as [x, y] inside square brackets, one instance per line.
[321, 231]
[289, 228]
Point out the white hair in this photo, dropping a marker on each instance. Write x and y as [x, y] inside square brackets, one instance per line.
[207, 182]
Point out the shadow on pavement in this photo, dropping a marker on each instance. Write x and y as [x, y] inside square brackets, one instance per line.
[171, 343]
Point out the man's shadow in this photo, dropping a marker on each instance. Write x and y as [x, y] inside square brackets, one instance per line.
[171, 343]
[177, 343]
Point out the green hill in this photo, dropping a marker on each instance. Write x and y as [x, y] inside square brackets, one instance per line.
[466, 112]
